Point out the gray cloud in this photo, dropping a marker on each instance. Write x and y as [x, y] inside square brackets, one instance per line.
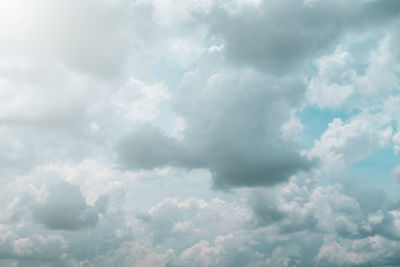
[395, 173]
[233, 115]
[264, 207]
[280, 36]
[147, 147]
[233, 120]
[65, 209]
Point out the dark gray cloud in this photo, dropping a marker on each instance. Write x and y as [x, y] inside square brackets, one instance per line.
[280, 36]
[264, 207]
[233, 120]
[269, 211]
[65, 209]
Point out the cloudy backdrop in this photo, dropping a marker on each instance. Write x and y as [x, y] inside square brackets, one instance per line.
[199, 133]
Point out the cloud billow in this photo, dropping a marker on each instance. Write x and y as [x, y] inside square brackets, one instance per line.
[66, 209]
[233, 121]
[235, 104]
[117, 115]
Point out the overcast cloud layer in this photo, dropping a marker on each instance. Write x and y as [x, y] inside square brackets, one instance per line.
[199, 133]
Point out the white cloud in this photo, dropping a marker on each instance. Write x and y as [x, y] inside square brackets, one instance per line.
[332, 85]
[345, 143]
[140, 102]
[292, 128]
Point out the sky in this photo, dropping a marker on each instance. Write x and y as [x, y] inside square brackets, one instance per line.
[199, 133]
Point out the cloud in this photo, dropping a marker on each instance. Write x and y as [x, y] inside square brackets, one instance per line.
[140, 102]
[116, 116]
[396, 174]
[327, 89]
[323, 225]
[265, 208]
[148, 148]
[344, 143]
[232, 113]
[292, 33]
[65, 209]
[357, 253]
[232, 127]
[43, 32]
[210, 231]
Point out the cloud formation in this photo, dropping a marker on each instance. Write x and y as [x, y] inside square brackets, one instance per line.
[232, 127]
[199, 133]
[65, 209]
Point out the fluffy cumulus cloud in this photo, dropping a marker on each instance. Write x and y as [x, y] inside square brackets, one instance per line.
[199, 133]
